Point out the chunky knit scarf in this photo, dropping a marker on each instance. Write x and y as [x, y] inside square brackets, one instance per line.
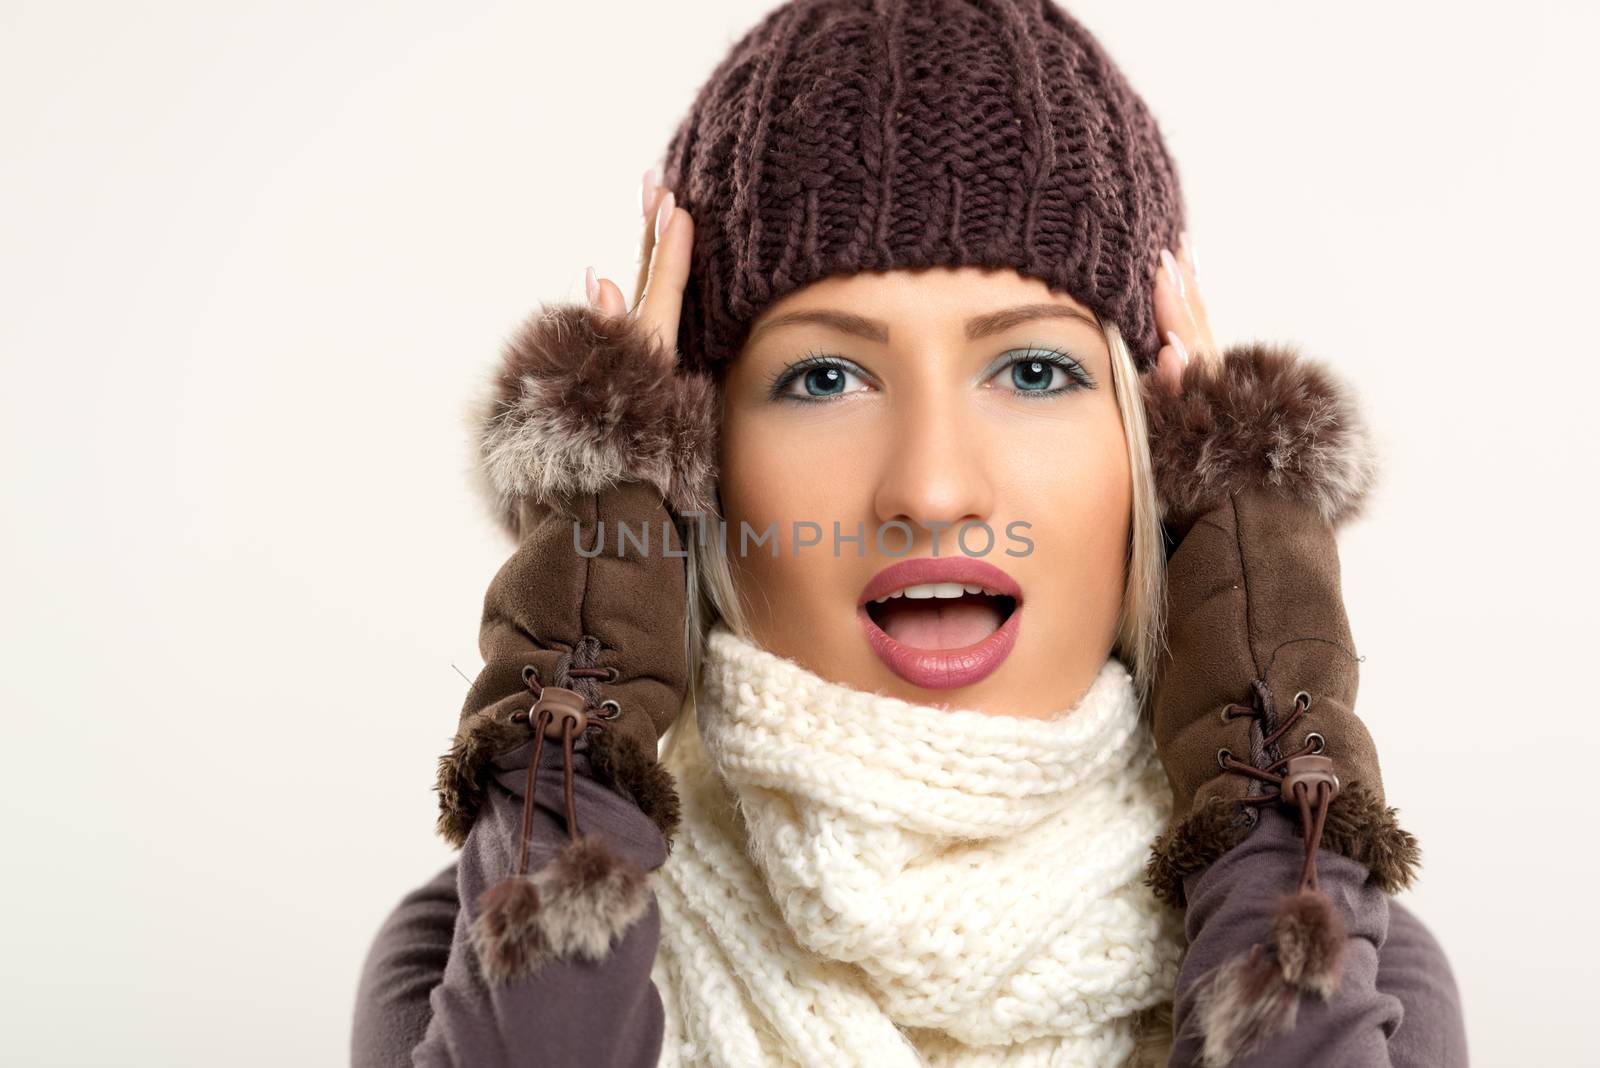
[862, 880]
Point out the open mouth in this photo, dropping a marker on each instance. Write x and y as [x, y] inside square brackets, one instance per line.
[941, 623]
[941, 615]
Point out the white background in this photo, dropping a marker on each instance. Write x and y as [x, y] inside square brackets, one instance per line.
[257, 258]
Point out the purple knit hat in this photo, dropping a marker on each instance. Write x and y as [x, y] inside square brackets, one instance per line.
[840, 136]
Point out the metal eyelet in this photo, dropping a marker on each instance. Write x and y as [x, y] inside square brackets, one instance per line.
[530, 674]
[615, 674]
[616, 709]
[1223, 756]
[1322, 743]
[1303, 697]
[519, 715]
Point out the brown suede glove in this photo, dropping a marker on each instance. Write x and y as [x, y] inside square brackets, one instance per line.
[592, 450]
[1259, 457]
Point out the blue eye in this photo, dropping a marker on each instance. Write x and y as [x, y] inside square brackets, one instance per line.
[1036, 371]
[1034, 374]
[1043, 372]
[818, 378]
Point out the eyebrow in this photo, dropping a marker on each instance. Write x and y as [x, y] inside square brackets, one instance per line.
[979, 326]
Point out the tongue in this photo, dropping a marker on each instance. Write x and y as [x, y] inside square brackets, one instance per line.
[939, 623]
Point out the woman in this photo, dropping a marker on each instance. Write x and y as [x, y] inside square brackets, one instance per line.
[990, 615]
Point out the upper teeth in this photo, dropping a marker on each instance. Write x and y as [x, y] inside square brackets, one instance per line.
[937, 589]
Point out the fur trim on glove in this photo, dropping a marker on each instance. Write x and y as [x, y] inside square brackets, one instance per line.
[581, 901]
[1359, 826]
[638, 779]
[583, 400]
[462, 782]
[1261, 416]
[463, 777]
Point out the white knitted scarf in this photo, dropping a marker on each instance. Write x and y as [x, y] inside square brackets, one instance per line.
[861, 880]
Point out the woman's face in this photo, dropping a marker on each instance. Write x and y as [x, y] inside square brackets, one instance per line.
[960, 426]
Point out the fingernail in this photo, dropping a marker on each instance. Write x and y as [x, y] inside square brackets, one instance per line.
[664, 215]
[1177, 343]
[647, 191]
[1171, 264]
[1188, 251]
[591, 285]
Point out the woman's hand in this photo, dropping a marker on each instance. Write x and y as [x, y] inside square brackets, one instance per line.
[663, 266]
[1258, 455]
[1181, 313]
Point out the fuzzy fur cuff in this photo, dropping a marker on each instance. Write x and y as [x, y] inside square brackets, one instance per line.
[1260, 417]
[462, 781]
[583, 400]
[1359, 825]
[465, 772]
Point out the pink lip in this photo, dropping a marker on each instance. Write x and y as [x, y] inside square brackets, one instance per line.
[942, 669]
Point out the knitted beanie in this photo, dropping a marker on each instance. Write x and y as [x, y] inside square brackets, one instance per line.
[840, 136]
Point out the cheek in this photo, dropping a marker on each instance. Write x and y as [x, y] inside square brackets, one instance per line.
[770, 478]
[769, 474]
[1080, 506]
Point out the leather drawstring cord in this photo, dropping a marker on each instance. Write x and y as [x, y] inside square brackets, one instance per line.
[1307, 778]
[1252, 996]
[552, 703]
[578, 903]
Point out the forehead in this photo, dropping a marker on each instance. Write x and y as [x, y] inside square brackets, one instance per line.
[913, 306]
[916, 300]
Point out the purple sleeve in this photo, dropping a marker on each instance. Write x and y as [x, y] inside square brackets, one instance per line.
[601, 1014]
[1412, 966]
[1396, 1003]
[405, 962]
[1404, 1012]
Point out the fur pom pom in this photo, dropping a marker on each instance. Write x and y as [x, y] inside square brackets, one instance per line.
[591, 896]
[584, 400]
[507, 934]
[1255, 996]
[574, 906]
[1242, 1004]
[1308, 939]
[1260, 417]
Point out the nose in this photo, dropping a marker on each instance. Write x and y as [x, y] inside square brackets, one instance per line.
[936, 475]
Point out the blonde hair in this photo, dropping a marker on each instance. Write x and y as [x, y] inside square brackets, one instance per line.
[713, 595]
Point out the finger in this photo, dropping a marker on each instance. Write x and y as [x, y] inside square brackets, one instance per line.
[649, 192]
[1205, 340]
[1171, 361]
[612, 301]
[668, 271]
[647, 242]
[1173, 314]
